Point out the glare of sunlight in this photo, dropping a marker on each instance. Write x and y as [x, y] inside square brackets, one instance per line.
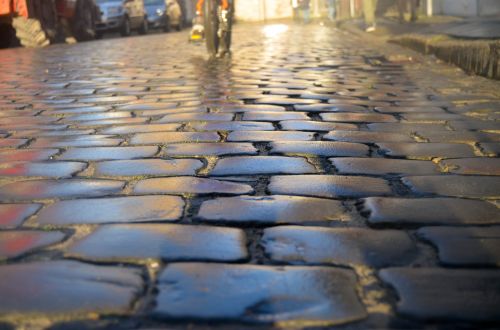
[274, 30]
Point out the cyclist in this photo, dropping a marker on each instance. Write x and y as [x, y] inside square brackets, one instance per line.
[197, 32]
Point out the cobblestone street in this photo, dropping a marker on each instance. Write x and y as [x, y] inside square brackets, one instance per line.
[316, 178]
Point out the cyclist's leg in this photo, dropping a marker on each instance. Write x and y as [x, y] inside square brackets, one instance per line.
[225, 27]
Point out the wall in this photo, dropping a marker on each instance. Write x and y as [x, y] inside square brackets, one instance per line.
[467, 8]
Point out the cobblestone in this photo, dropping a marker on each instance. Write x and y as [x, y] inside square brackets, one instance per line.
[174, 137]
[271, 209]
[46, 169]
[108, 153]
[267, 136]
[456, 185]
[338, 246]
[465, 294]
[111, 210]
[316, 295]
[367, 137]
[190, 185]
[471, 246]
[478, 166]
[161, 241]
[210, 149]
[251, 165]
[13, 215]
[446, 211]
[66, 188]
[67, 288]
[427, 150]
[381, 166]
[16, 243]
[331, 186]
[319, 148]
[139, 167]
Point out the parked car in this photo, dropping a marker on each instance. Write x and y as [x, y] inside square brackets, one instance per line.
[164, 14]
[122, 16]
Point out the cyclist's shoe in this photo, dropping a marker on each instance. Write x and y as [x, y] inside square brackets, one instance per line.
[197, 32]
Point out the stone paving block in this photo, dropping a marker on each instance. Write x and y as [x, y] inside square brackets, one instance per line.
[12, 143]
[161, 241]
[190, 185]
[455, 185]
[319, 148]
[109, 122]
[251, 108]
[464, 294]
[27, 155]
[140, 167]
[267, 136]
[233, 126]
[147, 128]
[309, 125]
[330, 186]
[67, 288]
[381, 166]
[275, 116]
[283, 101]
[63, 188]
[210, 149]
[460, 137]
[358, 117]
[98, 100]
[407, 127]
[479, 166]
[443, 211]
[13, 215]
[139, 106]
[111, 210]
[430, 117]
[345, 246]
[253, 293]
[470, 246]
[367, 137]
[398, 109]
[183, 117]
[473, 124]
[76, 141]
[491, 149]
[253, 165]
[14, 244]
[426, 150]
[274, 209]
[174, 137]
[321, 107]
[109, 153]
[47, 169]
[99, 116]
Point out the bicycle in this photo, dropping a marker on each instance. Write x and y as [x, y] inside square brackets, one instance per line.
[217, 25]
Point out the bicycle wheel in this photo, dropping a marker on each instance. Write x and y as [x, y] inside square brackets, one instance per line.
[211, 23]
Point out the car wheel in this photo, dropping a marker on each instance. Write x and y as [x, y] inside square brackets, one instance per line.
[144, 27]
[125, 29]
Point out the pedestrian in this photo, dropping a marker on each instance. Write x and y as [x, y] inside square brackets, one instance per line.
[332, 10]
[403, 6]
[305, 11]
[295, 8]
[369, 7]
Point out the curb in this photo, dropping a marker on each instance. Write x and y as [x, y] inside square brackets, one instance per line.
[480, 57]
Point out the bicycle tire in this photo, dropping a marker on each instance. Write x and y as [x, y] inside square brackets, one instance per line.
[211, 23]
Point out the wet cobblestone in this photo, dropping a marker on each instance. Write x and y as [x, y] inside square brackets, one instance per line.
[145, 186]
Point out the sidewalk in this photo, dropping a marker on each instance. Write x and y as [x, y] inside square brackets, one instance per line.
[473, 44]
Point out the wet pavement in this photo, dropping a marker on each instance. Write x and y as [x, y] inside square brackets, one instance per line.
[314, 179]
